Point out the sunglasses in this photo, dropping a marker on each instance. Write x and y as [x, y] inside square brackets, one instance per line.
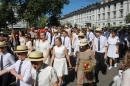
[20, 53]
[2, 47]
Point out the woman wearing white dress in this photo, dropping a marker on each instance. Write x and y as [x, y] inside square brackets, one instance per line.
[60, 63]
[113, 48]
[44, 46]
[28, 43]
[36, 41]
[22, 38]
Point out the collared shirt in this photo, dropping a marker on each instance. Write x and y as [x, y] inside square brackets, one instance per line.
[90, 36]
[8, 60]
[47, 75]
[25, 72]
[53, 40]
[67, 43]
[103, 44]
[48, 36]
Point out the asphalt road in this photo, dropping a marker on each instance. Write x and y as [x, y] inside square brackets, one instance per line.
[104, 80]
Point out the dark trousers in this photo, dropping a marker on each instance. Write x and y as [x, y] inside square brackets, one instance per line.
[5, 79]
[100, 65]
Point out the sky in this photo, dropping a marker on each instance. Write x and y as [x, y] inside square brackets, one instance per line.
[77, 4]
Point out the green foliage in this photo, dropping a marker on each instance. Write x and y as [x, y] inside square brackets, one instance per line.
[43, 21]
[127, 18]
[68, 24]
[30, 10]
[75, 25]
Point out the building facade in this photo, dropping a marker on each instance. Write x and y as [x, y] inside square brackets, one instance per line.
[106, 13]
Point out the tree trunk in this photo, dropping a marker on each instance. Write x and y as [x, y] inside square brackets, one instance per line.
[29, 24]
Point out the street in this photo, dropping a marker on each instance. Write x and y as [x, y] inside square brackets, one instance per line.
[104, 80]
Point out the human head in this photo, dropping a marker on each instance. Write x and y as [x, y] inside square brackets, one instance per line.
[83, 45]
[98, 32]
[58, 41]
[6, 38]
[64, 33]
[43, 36]
[21, 52]
[3, 47]
[36, 35]
[21, 33]
[36, 59]
[113, 33]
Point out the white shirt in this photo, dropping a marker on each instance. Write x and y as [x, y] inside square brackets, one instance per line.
[103, 44]
[48, 36]
[76, 48]
[25, 72]
[67, 43]
[126, 78]
[8, 60]
[90, 36]
[47, 75]
[53, 40]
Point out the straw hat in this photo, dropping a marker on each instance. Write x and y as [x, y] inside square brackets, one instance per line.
[81, 34]
[55, 31]
[66, 26]
[46, 27]
[3, 44]
[90, 28]
[36, 56]
[83, 42]
[98, 29]
[21, 48]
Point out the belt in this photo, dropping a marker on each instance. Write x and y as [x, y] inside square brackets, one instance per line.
[59, 57]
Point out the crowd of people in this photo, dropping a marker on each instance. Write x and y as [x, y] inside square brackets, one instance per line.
[42, 57]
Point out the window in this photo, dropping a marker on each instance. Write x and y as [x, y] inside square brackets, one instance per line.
[121, 13]
[114, 6]
[103, 9]
[98, 10]
[103, 16]
[109, 8]
[108, 14]
[121, 4]
[114, 23]
[114, 13]
[98, 25]
[90, 17]
[103, 24]
[98, 16]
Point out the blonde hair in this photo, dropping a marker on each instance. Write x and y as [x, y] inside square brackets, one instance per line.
[127, 61]
[12, 35]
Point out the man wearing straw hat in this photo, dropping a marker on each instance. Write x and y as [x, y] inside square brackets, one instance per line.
[22, 68]
[100, 48]
[6, 60]
[42, 74]
[54, 37]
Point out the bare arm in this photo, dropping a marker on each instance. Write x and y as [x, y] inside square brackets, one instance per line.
[3, 72]
[67, 56]
[53, 56]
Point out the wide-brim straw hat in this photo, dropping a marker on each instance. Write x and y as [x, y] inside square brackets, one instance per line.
[3, 44]
[98, 29]
[55, 31]
[36, 56]
[81, 34]
[90, 28]
[83, 42]
[46, 27]
[66, 26]
[21, 48]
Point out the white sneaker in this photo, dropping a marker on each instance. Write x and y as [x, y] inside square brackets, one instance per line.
[110, 68]
[115, 65]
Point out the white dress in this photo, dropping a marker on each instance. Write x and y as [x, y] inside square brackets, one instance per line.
[22, 40]
[28, 44]
[43, 47]
[112, 47]
[36, 44]
[60, 63]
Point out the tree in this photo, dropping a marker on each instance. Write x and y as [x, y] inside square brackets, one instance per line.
[68, 24]
[127, 18]
[75, 25]
[30, 10]
[43, 21]
[6, 15]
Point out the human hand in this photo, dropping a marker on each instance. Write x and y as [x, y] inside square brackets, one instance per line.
[13, 72]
